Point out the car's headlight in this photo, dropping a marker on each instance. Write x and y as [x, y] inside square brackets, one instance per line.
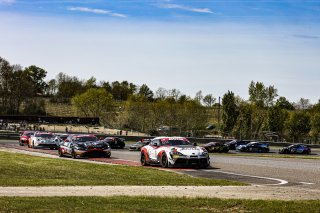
[175, 152]
[204, 154]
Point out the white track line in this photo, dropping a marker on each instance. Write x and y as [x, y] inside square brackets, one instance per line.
[281, 182]
[305, 183]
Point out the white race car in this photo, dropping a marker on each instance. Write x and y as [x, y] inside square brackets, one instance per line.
[44, 139]
[174, 151]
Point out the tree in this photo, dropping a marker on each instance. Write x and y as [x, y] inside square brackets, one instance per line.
[15, 87]
[146, 92]
[198, 98]
[5, 73]
[316, 107]
[298, 125]
[174, 94]
[37, 76]
[91, 83]
[257, 93]
[122, 91]
[95, 102]
[315, 127]
[283, 103]
[68, 87]
[230, 111]
[303, 104]
[161, 93]
[272, 93]
[260, 95]
[21, 90]
[209, 100]
[242, 128]
[51, 89]
[276, 119]
[139, 109]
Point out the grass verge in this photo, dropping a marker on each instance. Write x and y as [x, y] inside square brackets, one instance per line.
[151, 204]
[26, 170]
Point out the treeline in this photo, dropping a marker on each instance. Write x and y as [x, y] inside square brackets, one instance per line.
[125, 105]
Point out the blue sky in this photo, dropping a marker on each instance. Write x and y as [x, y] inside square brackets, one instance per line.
[191, 45]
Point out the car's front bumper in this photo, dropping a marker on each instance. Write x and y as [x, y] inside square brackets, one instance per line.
[45, 144]
[190, 161]
[93, 152]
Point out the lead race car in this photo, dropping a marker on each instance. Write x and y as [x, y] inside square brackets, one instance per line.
[174, 151]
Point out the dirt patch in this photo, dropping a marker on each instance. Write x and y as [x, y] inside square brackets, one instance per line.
[234, 192]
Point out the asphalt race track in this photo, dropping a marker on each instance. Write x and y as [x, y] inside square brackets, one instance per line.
[251, 169]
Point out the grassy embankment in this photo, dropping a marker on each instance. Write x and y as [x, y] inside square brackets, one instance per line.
[25, 170]
[151, 204]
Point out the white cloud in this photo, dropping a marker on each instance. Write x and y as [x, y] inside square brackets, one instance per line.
[186, 8]
[97, 11]
[7, 1]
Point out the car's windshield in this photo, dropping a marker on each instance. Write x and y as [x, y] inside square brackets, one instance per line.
[44, 135]
[29, 133]
[175, 142]
[84, 139]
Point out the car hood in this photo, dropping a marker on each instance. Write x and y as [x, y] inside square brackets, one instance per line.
[45, 139]
[188, 150]
[93, 144]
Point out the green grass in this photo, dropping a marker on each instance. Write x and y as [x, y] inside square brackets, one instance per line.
[151, 204]
[26, 170]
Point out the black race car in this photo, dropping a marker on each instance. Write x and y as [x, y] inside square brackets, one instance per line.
[253, 147]
[115, 143]
[77, 149]
[216, 147]
[234, 143]
[295, 149]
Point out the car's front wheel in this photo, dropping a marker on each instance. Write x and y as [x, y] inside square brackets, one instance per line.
[60, 153]
[73, 154]
[164, 161]
[204, 165]
[143, 160]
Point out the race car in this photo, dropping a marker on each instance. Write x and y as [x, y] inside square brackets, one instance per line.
[137, 146]
[296, 149]
[216, 147]
[84, 146]
[24, 137]
[43, 139]
[115, 142]
[253, 147]
[174, 151]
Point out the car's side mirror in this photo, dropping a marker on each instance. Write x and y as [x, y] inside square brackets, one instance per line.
[156, 145]
[195, 144]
